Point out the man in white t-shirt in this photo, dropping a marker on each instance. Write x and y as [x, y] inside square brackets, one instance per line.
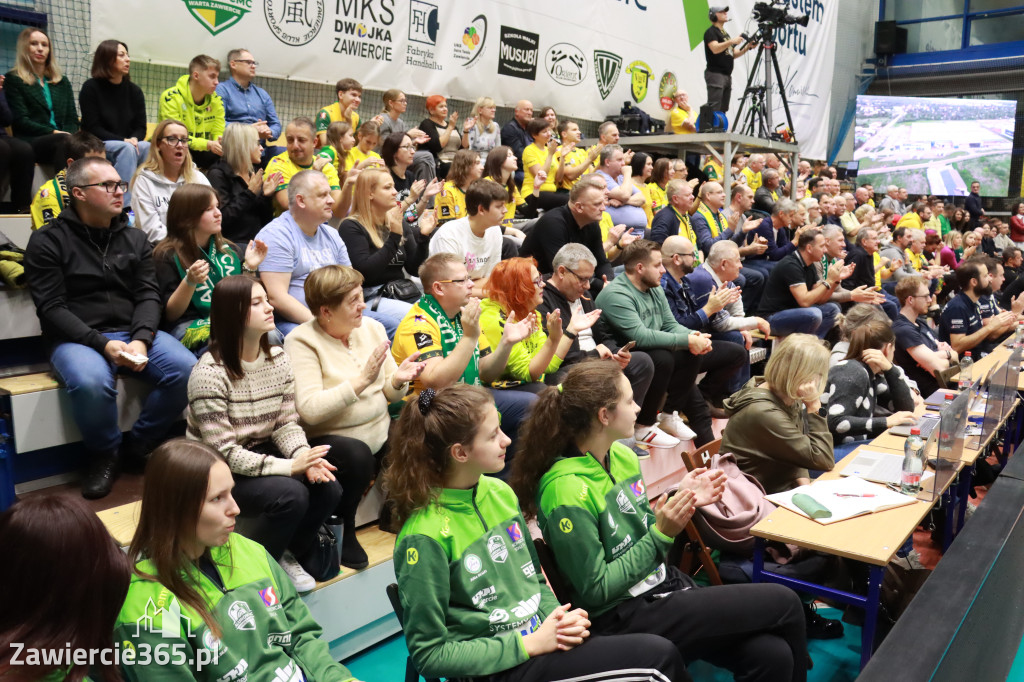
[477, 237]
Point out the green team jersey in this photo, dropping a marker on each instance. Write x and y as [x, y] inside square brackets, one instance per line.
[600, 527]
[267, 631]
[469, 582]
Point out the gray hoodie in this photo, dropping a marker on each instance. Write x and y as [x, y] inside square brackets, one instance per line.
[151, 193]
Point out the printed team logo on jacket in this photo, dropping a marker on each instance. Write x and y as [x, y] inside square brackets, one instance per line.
[515, 534]
[218, 15]
[241, 615]
[497, 549]
[270, 598]
[638, 488]
[625, 506]
[472, 563]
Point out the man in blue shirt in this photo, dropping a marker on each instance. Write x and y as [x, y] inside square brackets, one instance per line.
[961, 324]
[245, 102]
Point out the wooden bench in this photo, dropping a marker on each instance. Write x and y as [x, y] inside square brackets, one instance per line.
[352, 609]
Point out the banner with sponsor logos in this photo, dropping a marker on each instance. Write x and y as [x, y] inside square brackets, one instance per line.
[583, 57]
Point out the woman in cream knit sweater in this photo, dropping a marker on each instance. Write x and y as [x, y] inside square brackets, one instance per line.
[344, 380]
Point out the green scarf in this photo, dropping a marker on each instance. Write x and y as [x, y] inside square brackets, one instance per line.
[451, 333]
[222, 264]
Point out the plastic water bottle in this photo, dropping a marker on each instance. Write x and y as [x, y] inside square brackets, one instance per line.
[913, 463]
[966, 363]
[1018, 338]
[947, 401]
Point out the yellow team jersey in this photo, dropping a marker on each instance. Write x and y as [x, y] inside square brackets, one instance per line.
[536, 156]
[713, 169]
[911, 220]
[677, 117]
[645, 189]
[287, 168]
[659, 199]
[510, 208]
[918, 260]
[332, 113]
[753, 179]
[356, 157]
[331, 154]
[451, 203]
[49, 201]
[418, 331]
[573, 158]
[606, 223]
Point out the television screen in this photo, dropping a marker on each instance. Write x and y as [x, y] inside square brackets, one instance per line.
[934, 145]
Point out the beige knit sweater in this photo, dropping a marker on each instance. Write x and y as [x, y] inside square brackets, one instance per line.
[233, 416]
[324, 372]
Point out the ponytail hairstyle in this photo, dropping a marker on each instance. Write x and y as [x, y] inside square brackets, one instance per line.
[425, 434]
[335, 132]
[561, 415]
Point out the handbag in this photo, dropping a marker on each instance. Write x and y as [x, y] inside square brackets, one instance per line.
[398, 290]
[323, 560]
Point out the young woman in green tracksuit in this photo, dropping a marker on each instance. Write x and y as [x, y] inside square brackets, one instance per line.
[475, 603]
[589, 498]
[205, 603]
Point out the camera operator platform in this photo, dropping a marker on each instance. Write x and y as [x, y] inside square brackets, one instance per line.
[720, 52]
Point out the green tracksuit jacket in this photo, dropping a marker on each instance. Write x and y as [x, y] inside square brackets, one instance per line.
[204, 121]
[268, 633]
[469, 582]
[600, 527]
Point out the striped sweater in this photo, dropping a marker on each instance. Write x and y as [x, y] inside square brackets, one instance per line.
[235, 416]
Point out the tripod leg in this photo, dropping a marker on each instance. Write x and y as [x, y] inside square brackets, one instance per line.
[782, 93]
[746, 88]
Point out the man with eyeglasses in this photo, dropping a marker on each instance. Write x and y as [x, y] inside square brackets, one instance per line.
[444, 326]
[246, 102]
[918, 351]
[567, 290]
[727, 365]
[94, 285]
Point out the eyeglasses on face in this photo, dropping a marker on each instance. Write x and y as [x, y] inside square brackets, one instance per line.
[407, 146]
[585, 281]
[455, 281]
[111, 186]
[250, 62]
[173, 141]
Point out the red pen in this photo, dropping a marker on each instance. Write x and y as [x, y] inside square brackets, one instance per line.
[853, 495]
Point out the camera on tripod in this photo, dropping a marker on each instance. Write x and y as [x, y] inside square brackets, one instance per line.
[775, 14]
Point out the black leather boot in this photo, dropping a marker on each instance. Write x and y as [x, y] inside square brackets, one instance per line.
[102, 473]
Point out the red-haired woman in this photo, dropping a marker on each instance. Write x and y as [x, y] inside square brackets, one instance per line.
[516, 286]
[445, 138]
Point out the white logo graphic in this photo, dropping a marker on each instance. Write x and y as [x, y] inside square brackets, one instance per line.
[498, 616]
[625, 506]
[472, 563]
[236, 673]
[529, 570]
[488, 594]
[241, 616]
[527, 608]
[498, 550]
[282, 638]
[289, 673]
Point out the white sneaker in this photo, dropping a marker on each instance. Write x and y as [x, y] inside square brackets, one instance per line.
[674, 424]
[632, 445]
[654, 437]
[303, 581]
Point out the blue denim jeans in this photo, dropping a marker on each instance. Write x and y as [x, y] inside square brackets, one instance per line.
[125, 159]
[815, 319]
[90, 380]
[742, 375]
[513, 406]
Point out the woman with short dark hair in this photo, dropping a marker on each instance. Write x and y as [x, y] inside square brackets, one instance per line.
[242, 402]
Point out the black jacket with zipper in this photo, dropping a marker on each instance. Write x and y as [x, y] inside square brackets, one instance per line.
[86, 281]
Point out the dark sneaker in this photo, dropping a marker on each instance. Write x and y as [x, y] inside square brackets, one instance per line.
[819, 627]
[102, 473]
[352, 553]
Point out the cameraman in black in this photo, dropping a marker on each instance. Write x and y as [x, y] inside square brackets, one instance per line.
[720, 54]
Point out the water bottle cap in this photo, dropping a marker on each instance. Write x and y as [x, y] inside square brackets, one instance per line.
[967, 354]
[916, 431]
[949, 396]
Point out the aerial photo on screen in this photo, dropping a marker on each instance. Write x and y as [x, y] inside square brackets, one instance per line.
[934, 146]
